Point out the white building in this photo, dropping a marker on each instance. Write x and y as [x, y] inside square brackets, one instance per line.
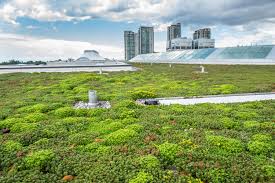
[188, 44]
[180, 44]
[90, 55]
[203, 43]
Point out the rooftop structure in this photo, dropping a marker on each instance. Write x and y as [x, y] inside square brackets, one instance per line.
[138, 43]
[203, 43]
[201, 39]
[146, 40]
[261, 55]
[129, 45]
[173, 32]
[202, 34]
[181, 44]
[90, 55]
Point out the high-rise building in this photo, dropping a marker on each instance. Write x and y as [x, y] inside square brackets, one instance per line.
[202, 39]
[202, 34]
[145, 40]
[173, 32]
[129, 45]
[138, 43]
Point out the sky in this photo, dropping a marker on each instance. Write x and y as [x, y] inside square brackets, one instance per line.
[53, 29]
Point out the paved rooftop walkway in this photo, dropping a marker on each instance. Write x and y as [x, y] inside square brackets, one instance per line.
[219, 99]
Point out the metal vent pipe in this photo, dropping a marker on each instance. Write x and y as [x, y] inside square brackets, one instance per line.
[92, 97]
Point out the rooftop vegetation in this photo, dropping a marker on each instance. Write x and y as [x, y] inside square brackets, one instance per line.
[43, 139]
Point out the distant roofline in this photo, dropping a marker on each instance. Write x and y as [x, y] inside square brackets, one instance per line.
[146, 26]
[247, 46]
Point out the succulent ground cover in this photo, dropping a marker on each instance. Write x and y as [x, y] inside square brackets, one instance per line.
[43, 139]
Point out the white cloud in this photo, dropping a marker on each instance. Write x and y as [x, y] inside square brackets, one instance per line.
[160, 46]
[161, 27]
[230, 12]
[253, 22]
[37, 9]
[32, 27]
[263, 33]
[29, 48]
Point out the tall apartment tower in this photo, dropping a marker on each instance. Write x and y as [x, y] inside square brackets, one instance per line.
[136, 44]
[145, 40]
[202, 34]
[173, 31]
[129, 45]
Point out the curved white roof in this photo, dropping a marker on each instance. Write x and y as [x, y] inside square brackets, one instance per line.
[261, 55]
[90, 55]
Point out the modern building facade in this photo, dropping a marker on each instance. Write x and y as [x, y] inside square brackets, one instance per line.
[202, 34]
[181, 44]
[173, 32]
[203, 43]
[145, 40]
[136, 43]
[141, 42]
[129, 45]
[201, 39]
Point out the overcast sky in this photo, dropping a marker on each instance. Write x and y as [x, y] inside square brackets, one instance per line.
[52, 29]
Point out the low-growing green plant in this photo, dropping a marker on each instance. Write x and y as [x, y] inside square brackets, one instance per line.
[142, 177]
[149, 162]
[92, 147]
[120, 136]
[95, 147]
[127, 141]
[126, 113]
[95, 112]
[23, 127]
[142, 94]
[129, 104]
[223, 89]
[39, 159]
[12, 146]
[187, 144]
[269, 170]
[262, 138]
[168, 151]
[105, 127]
[259, 147]
[80, 138]
[42, 142]
[4, 113]
[75, 124]
[224, 144]
[65, 112]
[229, 123]
[166, 129]
[267, 125]
[35, 117]
[37, 108]
[8, 123]
[81, 112]
[218, 175]
[102, 150]
[251, 124]
[135, 127]
[246, 115]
